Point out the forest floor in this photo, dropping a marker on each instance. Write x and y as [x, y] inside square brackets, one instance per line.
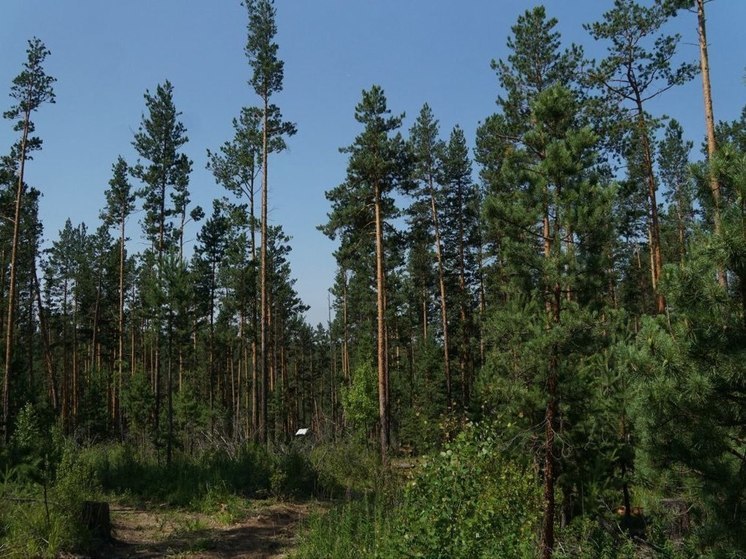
[266, 530]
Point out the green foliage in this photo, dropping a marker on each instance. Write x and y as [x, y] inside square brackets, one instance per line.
[205, 478]
[585, 538]
[138, 401]
[292, 474]
[425, 397]
[689, 412]
[31, 88]
[348, 466]
[48, 519]
[362, 529]
[360, 401]
[469, 501]
[36, 446]
[465, 502]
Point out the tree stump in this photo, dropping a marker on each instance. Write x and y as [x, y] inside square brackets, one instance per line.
[97, 520]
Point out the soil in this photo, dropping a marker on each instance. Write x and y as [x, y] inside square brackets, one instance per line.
[267, 530]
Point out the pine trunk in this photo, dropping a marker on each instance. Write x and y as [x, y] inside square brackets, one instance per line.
[381, 331]
[10, 325]
[263, 416]
[704, 64]
[442, 287]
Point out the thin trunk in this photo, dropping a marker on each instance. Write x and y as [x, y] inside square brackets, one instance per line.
[30, 318]
[96, 317]
[66, 399]
[345, 343]
[120, 322]
[550, 418]
[10, 325]
[263, 279]
[211, 342]
[75, 363]
[442, 287]
[44, 332]
[3, 254]
[704, 64]
[681, 229]
[655, 234]
[381, 331]
[170, 411]
[254, 328]
[464, 352]
[553, 306]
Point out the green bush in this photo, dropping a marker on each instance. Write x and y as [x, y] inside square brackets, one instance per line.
[469, 502]
[466, 502]
[43, 523]
[346, 467]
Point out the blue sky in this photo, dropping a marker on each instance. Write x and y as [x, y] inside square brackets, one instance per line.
[106, 53]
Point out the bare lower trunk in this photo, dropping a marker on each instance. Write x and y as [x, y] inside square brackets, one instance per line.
[10, 324]
[263, 416]
[656, 259]
[442, 288]
[381, 332]
[704, 64]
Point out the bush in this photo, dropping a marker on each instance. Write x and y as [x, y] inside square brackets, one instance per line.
[469, 502]
[43, 525]
[466, 502]
[347, 467]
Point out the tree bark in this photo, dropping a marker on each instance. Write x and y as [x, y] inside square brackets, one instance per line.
[381, 330]
[656, 259]
[10, 325]
[442, 287]
[704, 64]
[263, 279]
[120, 325]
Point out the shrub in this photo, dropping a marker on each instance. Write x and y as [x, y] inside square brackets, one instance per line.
[469, 502]
[348, 466]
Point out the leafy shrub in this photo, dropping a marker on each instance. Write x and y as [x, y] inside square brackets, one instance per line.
[469, 502]
[42, 525]
[293, 474]
[466, 502]
[348, 466]
[360, 400]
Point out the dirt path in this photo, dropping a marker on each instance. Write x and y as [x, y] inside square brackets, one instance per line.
[267, 531]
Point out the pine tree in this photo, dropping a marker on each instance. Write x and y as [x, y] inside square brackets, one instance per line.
[426, 150]
[120, 203]
[236, 167]
[164, 172]
[631, 75]
[704, 70]
[554, 227]
[378, 165]
[31, 89]
[268, 73]
[461, 237]
[208, 256]
[673, 165]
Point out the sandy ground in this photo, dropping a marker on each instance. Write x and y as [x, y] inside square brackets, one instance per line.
[267, 531]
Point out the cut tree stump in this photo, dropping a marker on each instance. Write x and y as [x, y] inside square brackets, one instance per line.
[97, 519]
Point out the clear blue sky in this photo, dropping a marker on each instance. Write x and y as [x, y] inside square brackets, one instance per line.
[106, 53]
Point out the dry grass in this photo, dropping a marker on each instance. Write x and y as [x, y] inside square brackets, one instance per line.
[266, 532]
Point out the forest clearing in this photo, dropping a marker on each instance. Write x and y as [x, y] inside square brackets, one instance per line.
[266, 533]
[531, 339]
